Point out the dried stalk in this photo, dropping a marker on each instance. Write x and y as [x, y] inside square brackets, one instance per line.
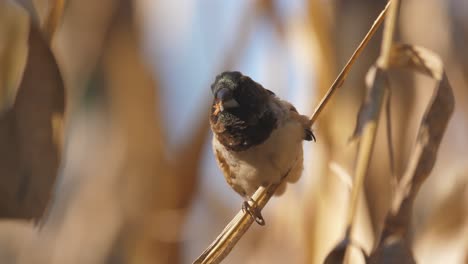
[239, 225]
[369, 130]
[377, 95]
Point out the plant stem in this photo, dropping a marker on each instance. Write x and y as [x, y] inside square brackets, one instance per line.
[344, 72]
[377, 94]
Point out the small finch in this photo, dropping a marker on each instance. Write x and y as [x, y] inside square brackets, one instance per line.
[257, 136]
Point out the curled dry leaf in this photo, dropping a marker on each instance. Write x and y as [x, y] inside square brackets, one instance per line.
[424, 153]
[29, 157]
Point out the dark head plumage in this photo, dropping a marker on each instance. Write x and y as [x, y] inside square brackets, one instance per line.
[240, 114]
[230, 80]
[239, 91]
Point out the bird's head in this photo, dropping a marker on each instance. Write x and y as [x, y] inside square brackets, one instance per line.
[236, 93]
[241, 114]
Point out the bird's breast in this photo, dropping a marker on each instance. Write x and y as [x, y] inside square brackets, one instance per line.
[262, 164]
[239, 133]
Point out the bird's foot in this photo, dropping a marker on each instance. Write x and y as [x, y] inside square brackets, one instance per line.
[253, 212]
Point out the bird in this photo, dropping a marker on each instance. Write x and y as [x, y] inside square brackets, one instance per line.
[257, 137]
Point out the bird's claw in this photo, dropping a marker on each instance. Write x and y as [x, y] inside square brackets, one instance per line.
[253, 212]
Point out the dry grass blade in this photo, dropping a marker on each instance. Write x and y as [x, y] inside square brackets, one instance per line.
[29, 161]
[434, 122]
[423, 157]
[224, 243]
[14, 20]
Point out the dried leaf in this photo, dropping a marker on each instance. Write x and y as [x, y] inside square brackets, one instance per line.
[29, 157]
[434, 121]
[423, 157]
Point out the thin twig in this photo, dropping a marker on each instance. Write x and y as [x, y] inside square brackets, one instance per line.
[377, 95]
[344, 73]
[387, 39]
[239, 225]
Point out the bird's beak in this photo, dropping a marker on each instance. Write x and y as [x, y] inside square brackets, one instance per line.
[231, 103]
[225, 99]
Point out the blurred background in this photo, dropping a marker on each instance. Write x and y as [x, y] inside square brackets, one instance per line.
[105, 147]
